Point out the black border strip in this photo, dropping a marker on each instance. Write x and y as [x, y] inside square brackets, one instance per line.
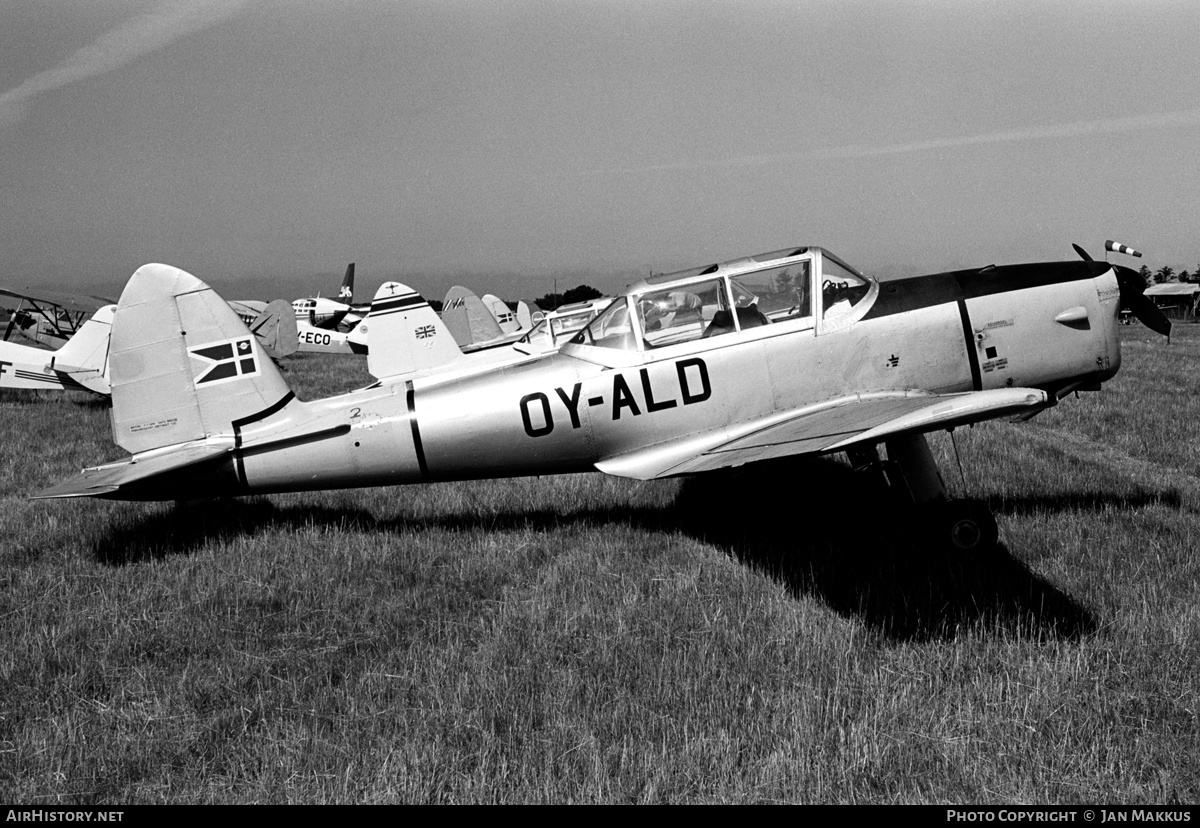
[300, 440]
[238, 468]
[972, 352]
[410, 397]
[261, 415]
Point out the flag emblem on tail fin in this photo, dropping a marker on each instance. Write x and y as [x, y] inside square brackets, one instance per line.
[225, 361]
[425, 331]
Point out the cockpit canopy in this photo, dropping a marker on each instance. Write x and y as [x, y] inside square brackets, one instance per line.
[802, 288]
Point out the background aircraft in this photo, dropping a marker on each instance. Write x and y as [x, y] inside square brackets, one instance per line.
[47, 317]
[787, 353]
[81, 363]
[312, 340]
[472, 323]
[320, 312]
[505, 316]
[272, 323]
[410, 340]
[555, 327]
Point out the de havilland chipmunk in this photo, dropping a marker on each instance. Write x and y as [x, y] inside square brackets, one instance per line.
[784, 354]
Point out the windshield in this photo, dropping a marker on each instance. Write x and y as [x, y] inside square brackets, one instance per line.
[569, 322]
[611, 329]
[777, 292]
[841, 289]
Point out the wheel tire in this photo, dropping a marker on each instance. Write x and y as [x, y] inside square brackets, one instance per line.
[970, 526]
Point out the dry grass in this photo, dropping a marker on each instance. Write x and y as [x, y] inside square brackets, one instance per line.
[589, 639]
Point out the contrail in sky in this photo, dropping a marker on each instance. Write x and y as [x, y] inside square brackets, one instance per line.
[1106, 125]
[140, 35]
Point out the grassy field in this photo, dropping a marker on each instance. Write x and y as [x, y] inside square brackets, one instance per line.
[590, 639]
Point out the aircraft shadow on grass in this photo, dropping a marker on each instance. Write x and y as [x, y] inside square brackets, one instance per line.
[809, 524]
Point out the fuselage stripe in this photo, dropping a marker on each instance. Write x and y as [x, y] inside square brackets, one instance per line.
[972, 353]
[238, 464]
[410, 300]
[410, 396]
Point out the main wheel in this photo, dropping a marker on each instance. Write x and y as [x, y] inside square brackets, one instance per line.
[970, 526]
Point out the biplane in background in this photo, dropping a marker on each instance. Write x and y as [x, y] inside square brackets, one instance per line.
[48, 318]
[81, 363]
[790, 353]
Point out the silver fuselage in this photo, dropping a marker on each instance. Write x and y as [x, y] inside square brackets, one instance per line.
[948, 333]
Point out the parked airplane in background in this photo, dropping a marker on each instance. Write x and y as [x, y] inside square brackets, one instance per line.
[472, 323]
[784, 354]
[505, 316]
[273, 323]
[409, 340]
[47, 317]
[323, 341]
[329, 313]
[557, 326]
[529, 315]
[82, 363]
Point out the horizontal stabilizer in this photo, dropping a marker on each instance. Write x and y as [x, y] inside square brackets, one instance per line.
[102, 480]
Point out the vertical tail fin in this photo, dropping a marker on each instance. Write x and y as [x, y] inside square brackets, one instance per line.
[182, 365]
[528, 315]
[346, 292]
[404, 334]
[468, 319]
[84, 358]
[502, 313]
[276, 329]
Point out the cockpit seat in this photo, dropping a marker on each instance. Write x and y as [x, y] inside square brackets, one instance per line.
[722, 321]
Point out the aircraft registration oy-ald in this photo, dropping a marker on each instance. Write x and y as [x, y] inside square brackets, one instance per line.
[784, 354]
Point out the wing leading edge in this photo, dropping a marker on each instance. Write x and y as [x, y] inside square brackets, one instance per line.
[833, 425]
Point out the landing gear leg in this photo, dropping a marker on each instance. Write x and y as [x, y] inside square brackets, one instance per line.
[964, 525]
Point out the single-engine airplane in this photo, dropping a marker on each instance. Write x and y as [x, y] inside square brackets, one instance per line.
[788, 353]
[82, 363]
[320, 312]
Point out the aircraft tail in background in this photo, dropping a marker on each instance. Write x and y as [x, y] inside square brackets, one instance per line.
[346, 292]
[469, 320]
[505, 317]
[84, 358]
[404, 335]
[276, 329]
[529, 315]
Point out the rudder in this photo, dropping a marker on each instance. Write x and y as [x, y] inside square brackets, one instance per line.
[84, 357]
[404, 334]
[182, 365]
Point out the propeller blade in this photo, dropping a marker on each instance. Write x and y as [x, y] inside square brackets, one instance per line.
[1151, 316]
[1133, 299]
[1083, 254]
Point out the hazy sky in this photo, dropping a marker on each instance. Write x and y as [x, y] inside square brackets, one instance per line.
[502, 144]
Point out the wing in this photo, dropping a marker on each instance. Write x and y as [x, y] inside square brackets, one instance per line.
[71, 302]
[830, 426]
